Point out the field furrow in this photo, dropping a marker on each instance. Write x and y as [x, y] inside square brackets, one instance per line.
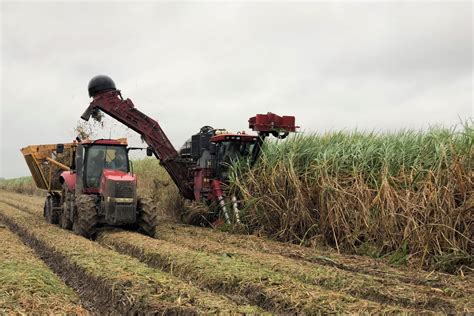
[197, 238]
[261, 284]
[110, 281]
[281, 277]
[444, 294]
[212, 240]
[27, 284]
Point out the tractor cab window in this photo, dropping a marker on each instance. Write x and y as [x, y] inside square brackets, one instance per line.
[100, 157]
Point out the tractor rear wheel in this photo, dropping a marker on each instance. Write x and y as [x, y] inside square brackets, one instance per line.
[85, 221]
[147, 216]
[65, 220]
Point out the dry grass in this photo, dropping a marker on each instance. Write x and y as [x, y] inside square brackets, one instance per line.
[23, 185]
[27, 284]
[154, 182]
[112, 282]
[408, 196]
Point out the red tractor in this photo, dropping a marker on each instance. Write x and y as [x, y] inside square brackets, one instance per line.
[89, 185]
[201, 166]
[101, 190]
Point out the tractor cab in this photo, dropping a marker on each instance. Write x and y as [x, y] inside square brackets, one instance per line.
[100, 160]
[100, 157]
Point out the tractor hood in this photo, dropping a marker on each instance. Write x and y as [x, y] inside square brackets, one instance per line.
[116, 183]
[117, 175]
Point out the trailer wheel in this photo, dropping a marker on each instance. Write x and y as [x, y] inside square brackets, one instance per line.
[50, 209]
[64, 218]
[85, 221]
[147, 216]
[47, 210]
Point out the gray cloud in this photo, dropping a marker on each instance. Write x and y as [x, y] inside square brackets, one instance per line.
[382, 66]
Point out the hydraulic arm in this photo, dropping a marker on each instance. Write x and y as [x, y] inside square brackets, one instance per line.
[112, 103]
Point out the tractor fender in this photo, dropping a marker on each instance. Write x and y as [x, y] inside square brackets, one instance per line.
[69, 179]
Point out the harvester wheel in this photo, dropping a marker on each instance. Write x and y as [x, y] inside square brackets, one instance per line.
[85, 221]
[64, 218]
[147, 216]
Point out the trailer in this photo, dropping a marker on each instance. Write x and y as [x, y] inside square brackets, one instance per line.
[46, 162]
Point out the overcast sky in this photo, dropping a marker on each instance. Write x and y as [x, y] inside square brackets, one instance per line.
[334, 65]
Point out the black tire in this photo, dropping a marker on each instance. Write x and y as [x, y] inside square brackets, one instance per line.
[147, 216]
[47, 210]
[86, 219]
[55, 208]
[64, 217]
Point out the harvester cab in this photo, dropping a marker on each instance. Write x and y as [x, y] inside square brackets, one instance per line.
[217, 149]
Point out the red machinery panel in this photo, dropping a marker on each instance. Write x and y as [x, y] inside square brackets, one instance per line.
[271, 122]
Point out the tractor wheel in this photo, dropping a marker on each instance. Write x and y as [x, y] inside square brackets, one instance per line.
[50, 209]
[85, 221]
[147, 216]
[64, 218]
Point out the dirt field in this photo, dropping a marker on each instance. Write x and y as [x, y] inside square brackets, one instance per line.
[197, 270]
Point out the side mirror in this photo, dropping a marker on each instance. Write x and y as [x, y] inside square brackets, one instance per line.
[149, 152]
[59, 148]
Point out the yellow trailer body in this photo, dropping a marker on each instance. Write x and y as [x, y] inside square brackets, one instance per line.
[46, 163]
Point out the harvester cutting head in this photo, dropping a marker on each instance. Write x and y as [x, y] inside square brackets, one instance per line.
[99, 84]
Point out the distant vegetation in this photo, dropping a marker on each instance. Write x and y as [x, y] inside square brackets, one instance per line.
[24, 185]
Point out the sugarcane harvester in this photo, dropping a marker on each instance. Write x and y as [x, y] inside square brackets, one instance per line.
[201, 167]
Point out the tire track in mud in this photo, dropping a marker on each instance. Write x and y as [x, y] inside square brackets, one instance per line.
[111, 282]
[384, 287]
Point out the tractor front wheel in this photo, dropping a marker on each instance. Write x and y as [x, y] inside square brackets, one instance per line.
[147, 216]
[85, 221]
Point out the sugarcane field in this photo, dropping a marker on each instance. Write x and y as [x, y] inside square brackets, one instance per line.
[236, 158]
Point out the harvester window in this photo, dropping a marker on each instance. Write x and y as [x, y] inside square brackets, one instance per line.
[100, 157]
[230, 152]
